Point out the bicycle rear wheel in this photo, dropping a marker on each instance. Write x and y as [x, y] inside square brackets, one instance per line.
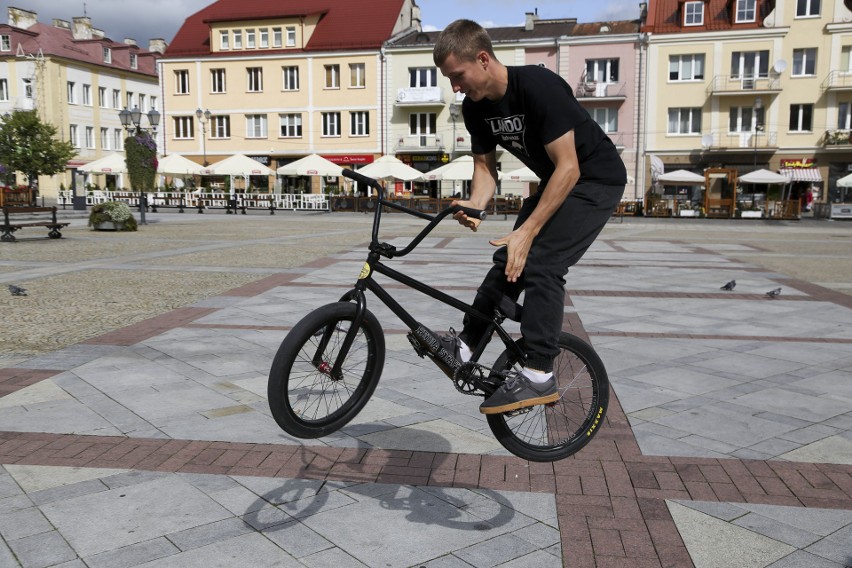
[555, 431]
[305, 400]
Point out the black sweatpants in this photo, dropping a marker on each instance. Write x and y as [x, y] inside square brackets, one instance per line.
[558, 246]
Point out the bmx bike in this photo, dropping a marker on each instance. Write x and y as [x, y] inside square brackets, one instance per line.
[329, 364]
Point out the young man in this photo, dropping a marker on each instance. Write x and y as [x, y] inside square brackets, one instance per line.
[532, 113]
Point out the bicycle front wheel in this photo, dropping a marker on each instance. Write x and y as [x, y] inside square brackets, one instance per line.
[555, 431]
[306, 400]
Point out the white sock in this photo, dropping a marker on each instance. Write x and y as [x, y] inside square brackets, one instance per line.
[536, 376]
[464, 351]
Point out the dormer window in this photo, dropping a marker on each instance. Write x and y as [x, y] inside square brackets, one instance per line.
[107, 55]
[745, 11]
[134, 61]
[5, 42]
[693, 14]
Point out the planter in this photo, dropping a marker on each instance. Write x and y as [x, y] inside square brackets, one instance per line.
[109, 226]
[751, 214]
[687, 213]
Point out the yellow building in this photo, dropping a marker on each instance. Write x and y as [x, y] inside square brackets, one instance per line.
[78, 80]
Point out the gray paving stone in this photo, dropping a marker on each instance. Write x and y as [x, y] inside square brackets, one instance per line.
[538, 559]
[7, 559]
[720, 510]
[41, 550]
[831, 549]
[266, 517]
[23, 523]
[777, 530]
[196, 537]
[801, 559]
[16, 503]
[133, 555]
[64, 492]
[297, 539]
[495, 551]
[245, 550]
[449, 561]
[333, 557]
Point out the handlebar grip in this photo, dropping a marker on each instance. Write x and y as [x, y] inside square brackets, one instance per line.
[472, 213]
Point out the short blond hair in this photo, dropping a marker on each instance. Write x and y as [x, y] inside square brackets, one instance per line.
[464, 39]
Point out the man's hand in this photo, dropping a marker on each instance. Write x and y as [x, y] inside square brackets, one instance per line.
[470, 222]
[517, 245]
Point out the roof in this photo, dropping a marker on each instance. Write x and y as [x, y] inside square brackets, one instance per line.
[343, 25]
[543, 29]
[60, 42]
[619, 27]
[665, 16]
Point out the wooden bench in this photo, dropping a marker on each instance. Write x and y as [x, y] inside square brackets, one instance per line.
[10, 224]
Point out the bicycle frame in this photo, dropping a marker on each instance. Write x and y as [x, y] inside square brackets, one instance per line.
[374, 265]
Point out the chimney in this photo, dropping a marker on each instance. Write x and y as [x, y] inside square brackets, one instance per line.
[23, 19]
[130, 41]
[531, 19]
[157, 45]
[82, 28]
[63, 24]
[96, 33]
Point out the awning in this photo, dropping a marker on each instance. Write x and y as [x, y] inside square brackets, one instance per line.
[802, 174]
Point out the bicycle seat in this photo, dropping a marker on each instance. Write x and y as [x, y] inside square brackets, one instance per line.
[510, 308]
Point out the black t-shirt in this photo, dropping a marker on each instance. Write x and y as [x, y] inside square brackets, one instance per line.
[538, 108]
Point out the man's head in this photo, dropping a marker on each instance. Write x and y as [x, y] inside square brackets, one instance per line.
[464, 53]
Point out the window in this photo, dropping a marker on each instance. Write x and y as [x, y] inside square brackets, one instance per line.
[4, 89]
[250, 42]
[154, 103]
[745, 11]
[423, 77]
[255, 126]
[238, 39]
[801, 118]
[331, 124]
[116, 99]
[846, 59]
[107, 55]
[746, 119]
[217, 81]
[686, 67]
[90, 137]
[72, 99]
[142, 103]
[805, 8]
[182, 82]
[749, 64]
[693, 14]
[422, 123]
[264, 38]
[332, 76]
[134, 61]
[104, 138]
[28, 88]
[5, 42]
[356, 76]
[87, 95]
[291, 37]
[602, 70]
[276, 37]
[804, 62]
[291, 78]
[102, 97]
[607, 118]
[129, 99]
[291, 125]
[74, 136]
[224, 40]
[255, 79]
[844, 116]
[117, 139]
[220, 127]
[359, 123]
[183, 127]
[684, 121]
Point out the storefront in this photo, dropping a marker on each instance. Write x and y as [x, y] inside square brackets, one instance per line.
[425, 163]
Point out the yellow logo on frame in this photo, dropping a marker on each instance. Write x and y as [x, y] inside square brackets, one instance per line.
[364, 271]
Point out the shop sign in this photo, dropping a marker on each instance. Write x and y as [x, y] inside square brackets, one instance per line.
[262, 159]
[351, 159]
[801, 163]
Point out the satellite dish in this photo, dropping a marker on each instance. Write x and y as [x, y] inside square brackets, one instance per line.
[780, 66]
[706, 140]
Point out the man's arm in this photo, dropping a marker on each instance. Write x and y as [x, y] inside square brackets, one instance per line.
[482, 187]
[563, 153]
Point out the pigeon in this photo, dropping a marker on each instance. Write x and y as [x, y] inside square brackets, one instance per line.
[773, 293]
[730, 285]
[17, 291]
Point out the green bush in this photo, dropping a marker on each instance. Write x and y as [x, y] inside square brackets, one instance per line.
[115, 212]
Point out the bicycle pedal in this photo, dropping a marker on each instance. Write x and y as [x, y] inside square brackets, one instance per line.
[518, 412]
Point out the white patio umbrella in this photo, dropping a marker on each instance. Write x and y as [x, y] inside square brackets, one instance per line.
[110, 164]
[764, 177]
[460, 169]
[681, 177]
[521, 174]
[845, 181]
[177, 165]
[310, 165]
[237, 165]
[389, 167]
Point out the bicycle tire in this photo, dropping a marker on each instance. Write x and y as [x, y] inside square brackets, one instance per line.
[552, 432]
[305, 400]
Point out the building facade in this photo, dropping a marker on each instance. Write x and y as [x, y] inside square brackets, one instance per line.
[78, 80]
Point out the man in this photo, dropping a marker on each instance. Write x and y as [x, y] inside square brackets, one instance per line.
[531, 112]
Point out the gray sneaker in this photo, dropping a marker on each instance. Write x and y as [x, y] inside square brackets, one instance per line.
[452, 344]
[519, 392]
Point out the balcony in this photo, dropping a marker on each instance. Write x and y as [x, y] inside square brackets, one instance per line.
[740, 140]
[421, 144]
[420, 96]
[722, 85]
[592, 90]
[837, 81]
[837, 138]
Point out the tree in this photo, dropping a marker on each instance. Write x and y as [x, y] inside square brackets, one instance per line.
[141, 150]
[30, 146]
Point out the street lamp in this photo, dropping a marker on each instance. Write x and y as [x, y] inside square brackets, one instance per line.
[203, 119]
[132, 120]
[455, 113]
[758, 104]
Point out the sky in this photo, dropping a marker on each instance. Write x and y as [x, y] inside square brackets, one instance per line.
[146, 19]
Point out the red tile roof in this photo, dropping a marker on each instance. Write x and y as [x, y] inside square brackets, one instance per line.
[60, 42]
[665, 16]
[344, 24]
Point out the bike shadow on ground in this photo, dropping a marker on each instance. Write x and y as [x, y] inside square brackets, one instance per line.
[283, 501]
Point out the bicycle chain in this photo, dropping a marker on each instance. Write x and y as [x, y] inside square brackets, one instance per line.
[462, 378]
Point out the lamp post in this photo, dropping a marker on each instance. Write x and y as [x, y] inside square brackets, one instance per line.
[455, 112]
[758, 105]
[132, 120]
[203, 118]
